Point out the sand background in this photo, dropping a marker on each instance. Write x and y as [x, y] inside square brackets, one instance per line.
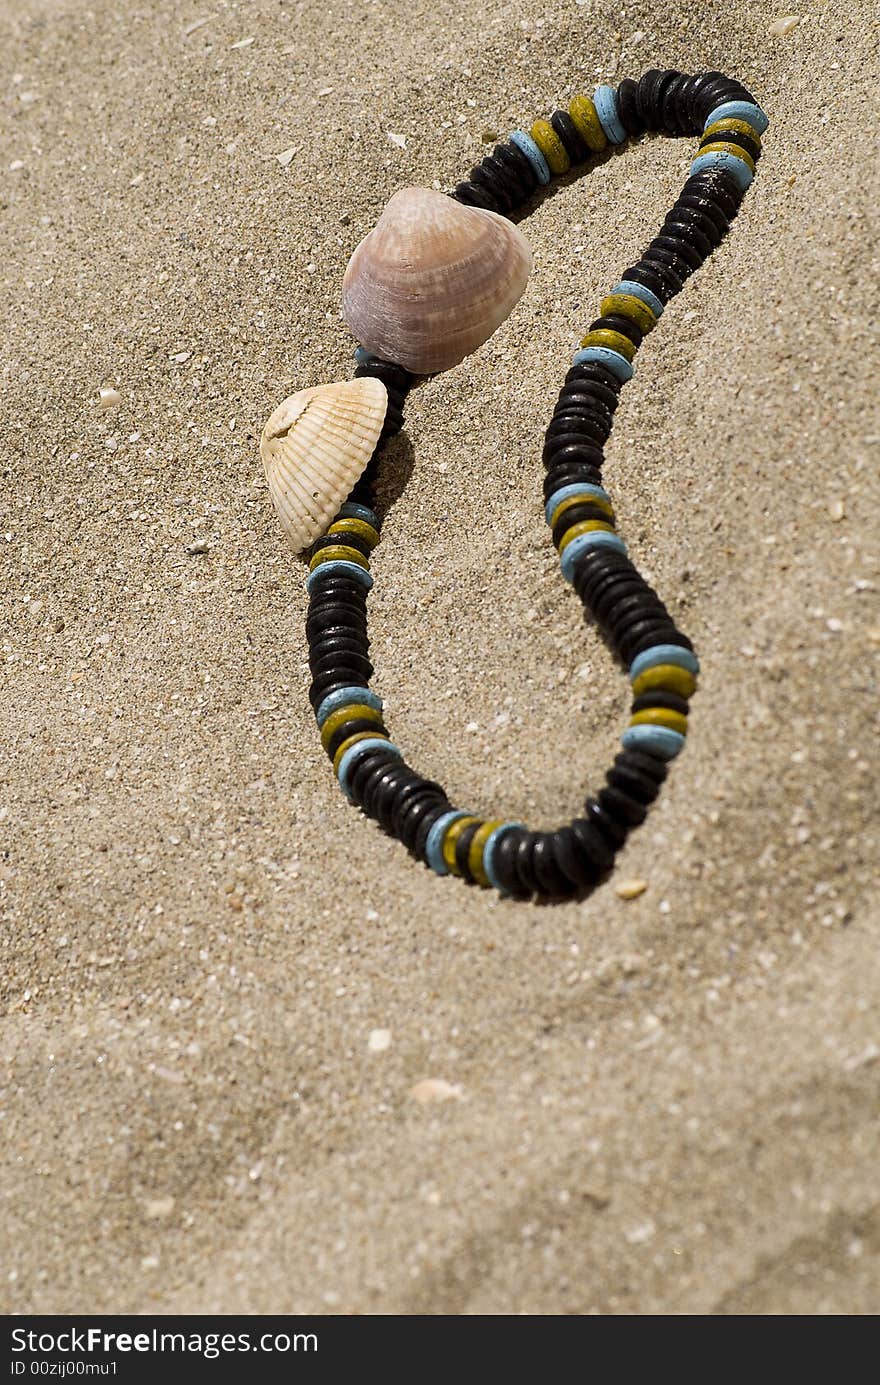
[667, 1105]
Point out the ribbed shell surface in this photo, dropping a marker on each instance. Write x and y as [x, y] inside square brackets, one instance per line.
[315, 446]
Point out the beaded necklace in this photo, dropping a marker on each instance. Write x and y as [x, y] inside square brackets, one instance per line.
[661, 661]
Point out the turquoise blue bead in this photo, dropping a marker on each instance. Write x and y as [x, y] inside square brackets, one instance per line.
[339, 567]
[353, 754]
[598, 538]
[527, 146]
[664, 654]
[489, 854]
[639, 291]
[739, 171]
[352, 511]
[657, 740]
[566, 492]
[434, 844]
[740, 110]
[605, 101]
[362, 355]
[612, 360]
[344, 697]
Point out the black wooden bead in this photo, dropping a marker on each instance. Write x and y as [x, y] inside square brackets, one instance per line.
[558, 442]
[614, 832]
[628, 811]
[577, 514]
[595, 846]
[418, 790]
[335, 649]
[463, 846]
[494, 184]
[602, 592]
[618, 609]
[370, 782]
[628, 108]
[337, 586]
[551, 879]
[572, 860]
[351, 728]
[642, 634]
[504, 863]
[674, 265]
[344, 677]
[473, 196]
[643, 762]
[566, 129]
[367, 764]
[595, 423]
[391, 373]
[336, 618]
[639, 786]
[525, 868]
[614, 322]
[515, 160]
[673, 112]
[750, 143]
[718, 185]
[656, 698]
[429, 801]
[382, 794]
[349, 658]
[699, 84]
[679, 248]
[650, 93]
[559, 452]
[418, 821]
[651, 278]
[690, 219]
[688, 233]
[559, 476]
[354, 541]
[598, 374]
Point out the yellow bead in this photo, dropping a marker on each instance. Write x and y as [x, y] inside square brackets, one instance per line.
[573, 500]
[625, 305]
[453, 832]
[360, 527]
[661, 716]
[587, 123]
[475, 851]
[551, 146]
[720, 147]
[586, 526]
[668, 677]
[353, 740]
[357, 711]
[615, 341]
[736, 127]
[335, 551]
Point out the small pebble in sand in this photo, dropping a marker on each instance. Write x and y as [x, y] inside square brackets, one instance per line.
[157, 1208]
[379, 1040]
[432, 1090]
[108, 398]
[836, 510]
[196, 549]
[399, 140]
[286, 155]
[630, 889]
[242, 43]
[780, 27]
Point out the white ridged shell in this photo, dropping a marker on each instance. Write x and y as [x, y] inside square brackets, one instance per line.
[433, 280]
[315, 446]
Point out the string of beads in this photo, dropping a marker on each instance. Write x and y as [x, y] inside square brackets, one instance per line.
[661, 661]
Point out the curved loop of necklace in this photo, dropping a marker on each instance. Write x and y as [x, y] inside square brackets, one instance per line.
[662, 664]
